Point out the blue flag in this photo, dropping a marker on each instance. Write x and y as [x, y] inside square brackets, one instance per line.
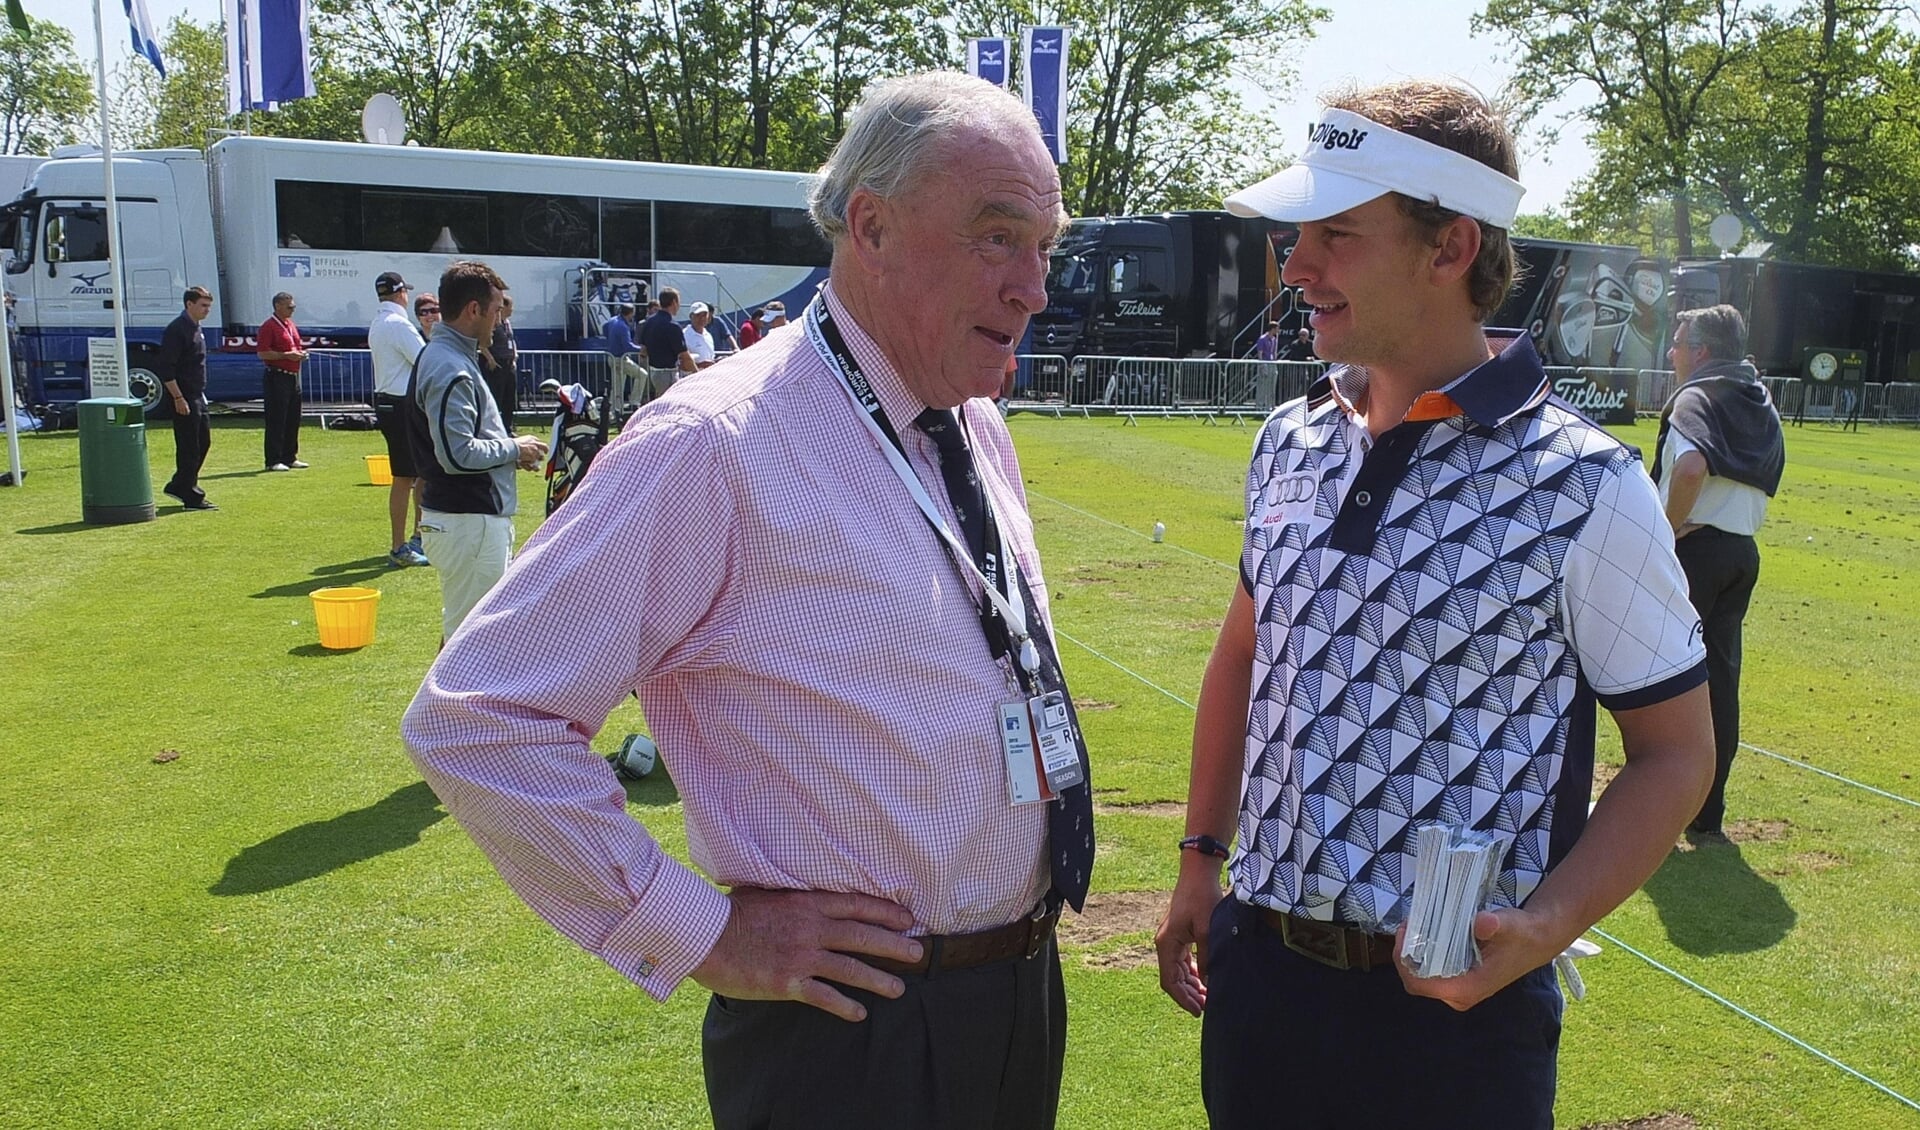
[145, 43]
[987, 59]
[1045, 92]
[269, 54]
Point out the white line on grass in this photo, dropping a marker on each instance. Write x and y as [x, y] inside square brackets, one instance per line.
[1123, 667]
[1835, 776]
[1696, 986]
[1774, 1028]
[1109, 521]
[1235, 569]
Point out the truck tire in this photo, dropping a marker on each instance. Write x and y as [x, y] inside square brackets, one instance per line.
[144, 384]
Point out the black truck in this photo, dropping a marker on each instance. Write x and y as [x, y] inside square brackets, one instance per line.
[1204, 284]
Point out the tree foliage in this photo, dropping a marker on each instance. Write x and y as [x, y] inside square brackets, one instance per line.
[46, 96]
[1801, 121]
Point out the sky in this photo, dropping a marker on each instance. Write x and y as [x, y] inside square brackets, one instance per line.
[1365, 41]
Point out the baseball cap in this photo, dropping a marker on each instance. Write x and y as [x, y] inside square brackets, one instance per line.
[769, 315]
[699, 308]
[1350, 160]
[389, 282]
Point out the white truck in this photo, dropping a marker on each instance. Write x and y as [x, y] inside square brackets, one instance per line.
[254, 216]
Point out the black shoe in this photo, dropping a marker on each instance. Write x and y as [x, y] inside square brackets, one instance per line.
[174, 492]
[199, 504]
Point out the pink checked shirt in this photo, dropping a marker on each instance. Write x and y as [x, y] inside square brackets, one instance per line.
[807, 655]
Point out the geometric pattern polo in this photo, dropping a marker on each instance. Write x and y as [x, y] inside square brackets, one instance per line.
[1437, 612]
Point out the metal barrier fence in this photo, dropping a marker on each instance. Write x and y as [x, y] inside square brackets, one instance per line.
[341, 380]
[1160, 385]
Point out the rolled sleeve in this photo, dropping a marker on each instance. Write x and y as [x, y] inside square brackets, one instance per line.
[620, 586]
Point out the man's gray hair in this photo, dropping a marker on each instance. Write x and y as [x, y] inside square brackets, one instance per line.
[895, 133]
[1720, 330]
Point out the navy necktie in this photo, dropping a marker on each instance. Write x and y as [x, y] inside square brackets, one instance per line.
[1070, 816]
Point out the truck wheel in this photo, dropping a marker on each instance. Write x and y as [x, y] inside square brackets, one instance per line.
[144, 385]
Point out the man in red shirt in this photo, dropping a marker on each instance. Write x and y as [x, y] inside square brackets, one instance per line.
[750, 327]
[282, 352]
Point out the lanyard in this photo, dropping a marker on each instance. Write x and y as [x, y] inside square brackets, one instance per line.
[826, 340]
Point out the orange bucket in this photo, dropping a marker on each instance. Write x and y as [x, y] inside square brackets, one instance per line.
[345, 616]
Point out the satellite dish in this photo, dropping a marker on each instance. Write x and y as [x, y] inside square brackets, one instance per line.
[1725, 231]
[382, 122]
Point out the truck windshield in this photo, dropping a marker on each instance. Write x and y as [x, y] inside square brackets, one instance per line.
[1070, 274]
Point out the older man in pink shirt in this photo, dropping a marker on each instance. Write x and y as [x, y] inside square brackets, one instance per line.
[816, 570]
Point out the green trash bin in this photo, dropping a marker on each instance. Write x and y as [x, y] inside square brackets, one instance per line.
[115, 488]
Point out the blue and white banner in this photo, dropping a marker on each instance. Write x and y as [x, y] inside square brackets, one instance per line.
[145, 43]
[1044, 55]
[987, 59]
[269, 54]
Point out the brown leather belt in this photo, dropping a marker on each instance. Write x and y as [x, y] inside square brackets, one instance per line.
[1329, 943]
[939, 952]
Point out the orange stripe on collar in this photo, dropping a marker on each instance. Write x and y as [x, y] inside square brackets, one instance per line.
[1432, 406]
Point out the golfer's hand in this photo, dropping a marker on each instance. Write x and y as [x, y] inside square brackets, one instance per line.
[788, 946]
[1181, 942]
[532, 452]
[1513, 943]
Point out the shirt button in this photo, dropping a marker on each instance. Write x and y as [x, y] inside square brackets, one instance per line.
[1363, 499]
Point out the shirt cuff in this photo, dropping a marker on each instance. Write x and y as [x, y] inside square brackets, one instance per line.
[670, 933]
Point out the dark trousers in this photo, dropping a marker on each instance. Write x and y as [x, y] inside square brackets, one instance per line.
[1721, 570]
[283, 416]
[972, 1049]
[1287, 1043]
[191, 438]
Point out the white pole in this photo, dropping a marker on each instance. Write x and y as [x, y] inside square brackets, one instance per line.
[113, 204]
[13, 412]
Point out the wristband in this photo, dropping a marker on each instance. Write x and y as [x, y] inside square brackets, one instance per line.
[1205, 845]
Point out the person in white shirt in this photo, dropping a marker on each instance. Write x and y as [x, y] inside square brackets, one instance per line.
[394, 343]
[1718, 459]
[699, 340]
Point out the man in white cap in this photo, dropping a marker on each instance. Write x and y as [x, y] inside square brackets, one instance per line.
[699, 338]
[1445, 569]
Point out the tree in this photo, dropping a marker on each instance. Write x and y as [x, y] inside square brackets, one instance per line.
[183, 109]
[1653, 63]
[46, 96]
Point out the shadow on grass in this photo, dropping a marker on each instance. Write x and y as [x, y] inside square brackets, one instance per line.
[63, 528]
[331, 576]
[1711, 902]
[312, 850]
[316, 651]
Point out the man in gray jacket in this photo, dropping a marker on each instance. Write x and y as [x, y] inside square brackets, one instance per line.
[464, 451]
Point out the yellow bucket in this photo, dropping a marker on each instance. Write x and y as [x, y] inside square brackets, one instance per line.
[345, 616]
[379, 471]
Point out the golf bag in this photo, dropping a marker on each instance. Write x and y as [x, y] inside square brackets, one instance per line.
[579, 432]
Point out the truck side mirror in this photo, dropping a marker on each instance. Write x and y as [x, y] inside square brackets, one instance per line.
[56, 244]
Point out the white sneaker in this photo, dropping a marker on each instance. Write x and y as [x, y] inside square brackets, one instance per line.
[278, 467]
[298, 465]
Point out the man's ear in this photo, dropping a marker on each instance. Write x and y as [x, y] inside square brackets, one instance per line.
[1455, 249]
[868, 227]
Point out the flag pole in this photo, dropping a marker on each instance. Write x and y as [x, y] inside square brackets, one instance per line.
[113, 204]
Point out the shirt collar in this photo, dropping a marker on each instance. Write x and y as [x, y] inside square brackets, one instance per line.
[1491, 393]
[467, 345]
[899, 403]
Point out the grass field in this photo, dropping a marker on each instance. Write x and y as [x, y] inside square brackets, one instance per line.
[280, 927]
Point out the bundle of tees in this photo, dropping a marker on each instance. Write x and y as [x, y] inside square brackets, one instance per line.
[1453, 876]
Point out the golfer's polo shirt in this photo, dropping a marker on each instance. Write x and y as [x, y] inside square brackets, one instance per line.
[1437, 612]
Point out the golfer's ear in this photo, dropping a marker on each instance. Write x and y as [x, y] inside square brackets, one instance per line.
[1456, 248]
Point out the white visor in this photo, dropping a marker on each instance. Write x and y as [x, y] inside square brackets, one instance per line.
[1350, 160]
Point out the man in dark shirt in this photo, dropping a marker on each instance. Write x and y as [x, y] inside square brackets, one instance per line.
[183, 370]
[665, 343]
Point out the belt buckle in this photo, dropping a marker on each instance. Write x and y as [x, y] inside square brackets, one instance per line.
[1325, 943]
